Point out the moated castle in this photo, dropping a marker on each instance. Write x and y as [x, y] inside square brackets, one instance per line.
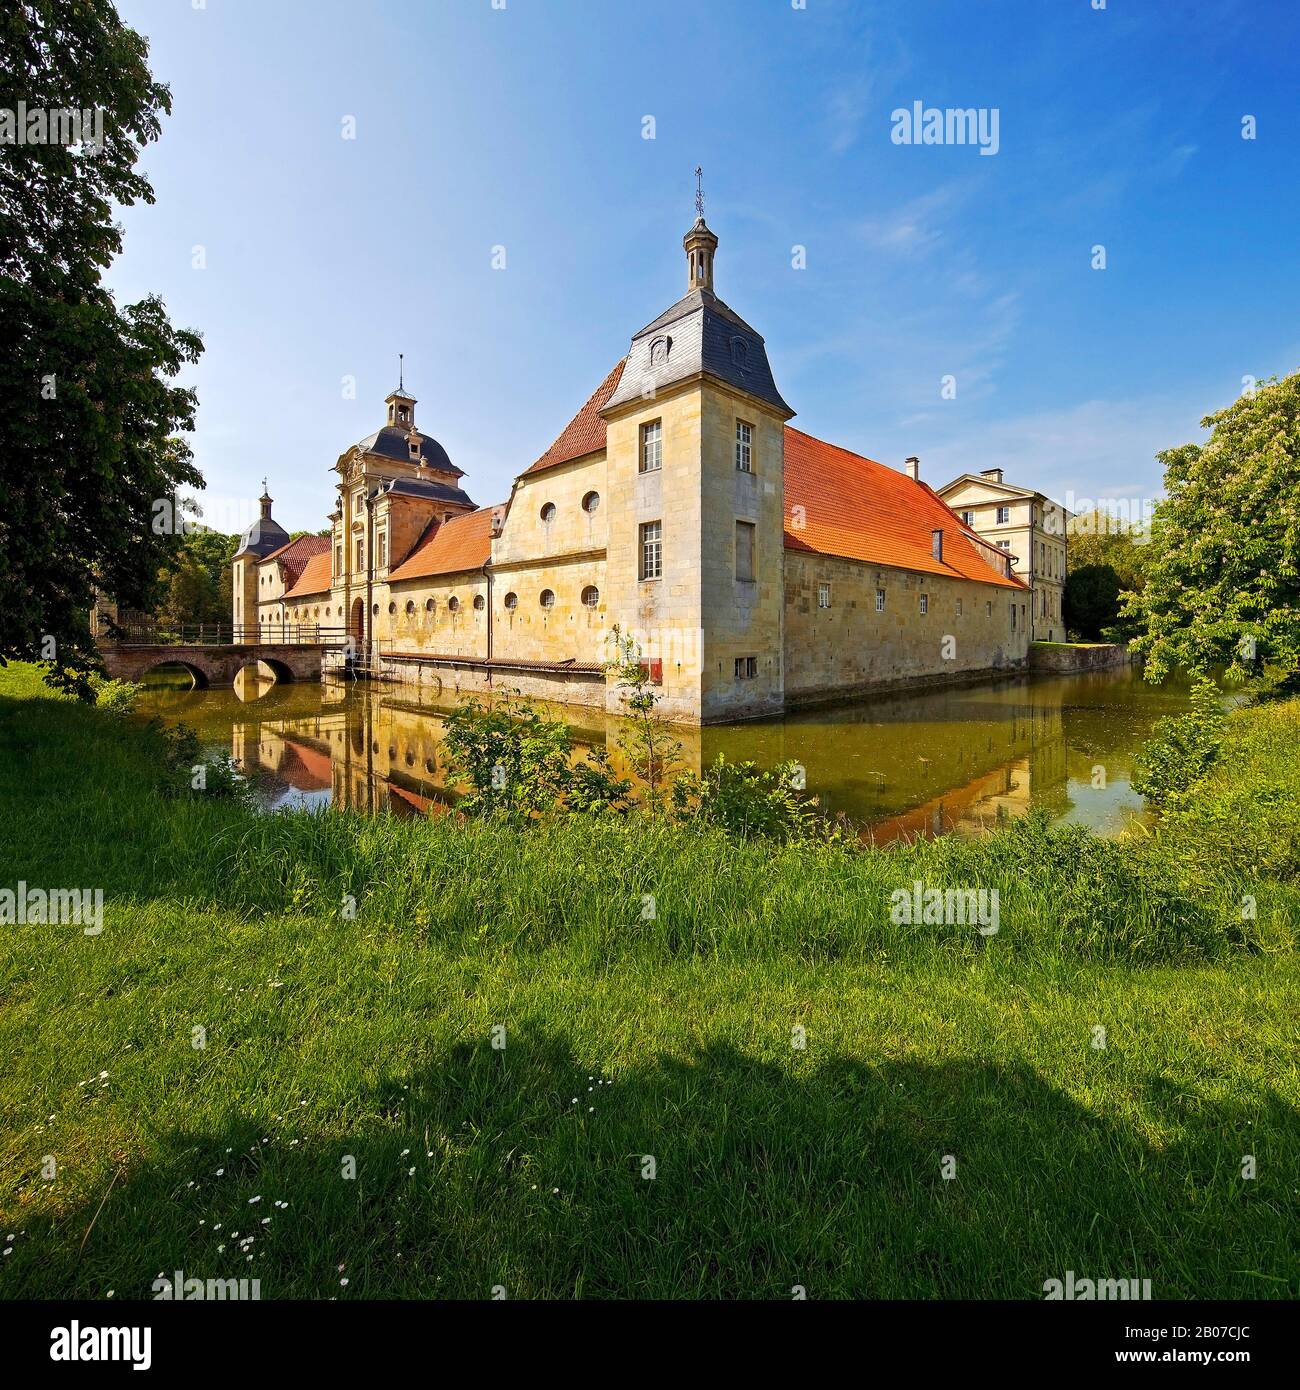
[757, 567]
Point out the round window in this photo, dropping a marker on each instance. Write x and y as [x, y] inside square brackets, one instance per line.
[453, 603]
[548, 512]
[511, 600]
[591, 596]
[428, 605]
[392, 608]
[374, 612]
[591, 502]
[410, 606]
[547, 599]
[479, 603]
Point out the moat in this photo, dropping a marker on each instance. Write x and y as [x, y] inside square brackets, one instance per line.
[929, 762]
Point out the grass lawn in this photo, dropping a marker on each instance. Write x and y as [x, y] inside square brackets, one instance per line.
[336, 1045]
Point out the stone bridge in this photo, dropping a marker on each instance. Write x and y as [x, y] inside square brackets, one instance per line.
[210, 664]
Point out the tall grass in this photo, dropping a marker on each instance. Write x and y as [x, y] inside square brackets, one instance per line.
[674, 1035]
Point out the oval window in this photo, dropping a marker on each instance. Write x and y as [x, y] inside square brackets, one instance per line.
[453, 604]
[374, 613]
[511, 600]
[410, 606]
[392, 608]
[428, 605]
[591, 596]
[547, 599]
[591, 502]
[548, 513]
[479, 603]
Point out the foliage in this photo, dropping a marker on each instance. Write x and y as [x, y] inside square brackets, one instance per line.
[516, 762]
[197, 580]
[1223, 572]
[1181, 750]
[750, 802]
[646, 742]
[87, 401]
[1091, 603]
[116, 697]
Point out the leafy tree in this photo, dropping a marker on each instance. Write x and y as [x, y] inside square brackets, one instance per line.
[645, 740]
[1223, 568]
[88, 413]
[1091, 601]
[1098, 538]
[1182, 749]
[196, 580]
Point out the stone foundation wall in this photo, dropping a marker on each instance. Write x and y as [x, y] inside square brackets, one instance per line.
[1081, 656]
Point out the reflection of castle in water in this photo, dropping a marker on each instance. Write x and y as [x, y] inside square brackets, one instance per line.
[919, 764]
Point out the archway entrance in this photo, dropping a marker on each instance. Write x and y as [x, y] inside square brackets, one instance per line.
[357, 626]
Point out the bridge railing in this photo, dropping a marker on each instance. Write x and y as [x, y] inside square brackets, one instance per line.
[227, 634]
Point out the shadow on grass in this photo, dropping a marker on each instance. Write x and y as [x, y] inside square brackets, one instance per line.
[819, 1172]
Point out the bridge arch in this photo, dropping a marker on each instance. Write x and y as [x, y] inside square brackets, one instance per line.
[196, 673]
[279, 669]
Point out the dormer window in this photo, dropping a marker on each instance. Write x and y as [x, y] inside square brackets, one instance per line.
[415, 449]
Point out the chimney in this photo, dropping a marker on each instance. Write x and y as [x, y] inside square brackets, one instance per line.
[498, 521]
[913, 467]
[994, 475]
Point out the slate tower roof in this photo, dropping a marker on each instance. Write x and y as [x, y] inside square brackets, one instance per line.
[698, 334]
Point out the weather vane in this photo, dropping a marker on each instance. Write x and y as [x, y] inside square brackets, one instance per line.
[699, 190]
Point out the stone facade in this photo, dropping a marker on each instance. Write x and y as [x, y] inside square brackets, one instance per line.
[1030, 527]
[665, 510]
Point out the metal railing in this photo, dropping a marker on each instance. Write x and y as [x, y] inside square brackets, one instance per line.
[226, 634]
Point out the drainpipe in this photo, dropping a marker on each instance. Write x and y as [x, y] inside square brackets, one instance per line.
[491, 612]
[370, 569]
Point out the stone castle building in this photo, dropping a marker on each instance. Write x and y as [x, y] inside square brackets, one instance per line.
[757, 567]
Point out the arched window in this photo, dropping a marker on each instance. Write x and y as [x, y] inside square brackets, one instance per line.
[453, 604]
[479, 603]
[511, 600]
[548, 513]
[392, 608]
[374, 613]
[591, 596]
[410, 606]
[547, 598]
[428, 605]
[591, 502]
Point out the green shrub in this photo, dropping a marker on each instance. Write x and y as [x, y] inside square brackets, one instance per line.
[117, 697]
[1181, 749]
[750, 802]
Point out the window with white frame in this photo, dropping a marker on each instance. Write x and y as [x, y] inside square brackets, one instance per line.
[1004, 515]
[652, 560]
[880, 600]
[925, 603]
[744, 446]
[823, 595]
[652, 447]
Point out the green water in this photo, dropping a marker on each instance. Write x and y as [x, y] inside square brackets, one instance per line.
[925, 763]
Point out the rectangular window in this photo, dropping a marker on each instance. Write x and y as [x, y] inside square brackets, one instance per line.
[1004, 545]
[744, 446]
[338, 559]
[880, 600]
[652, 446]
[968, 518]
[1013, 617]
[936, 544]
[746, 668]
[652, 560]
[357, 500]
[925, 603]
[383, 549]
[959, 608]
[745, 549]
[988, 608]
[361, 555]
[1004, 515]
[823, 595]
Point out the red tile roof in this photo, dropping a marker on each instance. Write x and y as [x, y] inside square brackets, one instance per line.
[585, 433]
[315, 577]
[862, 510]
[295, 555]
[450, 547]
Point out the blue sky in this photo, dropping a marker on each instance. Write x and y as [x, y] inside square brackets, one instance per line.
[522, 127]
